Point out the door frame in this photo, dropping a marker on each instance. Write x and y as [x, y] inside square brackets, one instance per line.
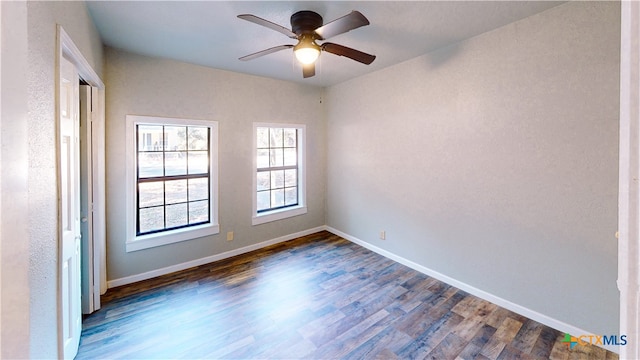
[629, 180]
[66, 48]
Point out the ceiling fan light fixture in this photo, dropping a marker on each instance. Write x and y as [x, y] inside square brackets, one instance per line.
[307, 51]
[307, 27]
[307, 55]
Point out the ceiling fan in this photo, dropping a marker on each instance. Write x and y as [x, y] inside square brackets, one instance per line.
[307, 28]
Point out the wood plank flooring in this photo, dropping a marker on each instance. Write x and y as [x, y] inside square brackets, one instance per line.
[316, 297]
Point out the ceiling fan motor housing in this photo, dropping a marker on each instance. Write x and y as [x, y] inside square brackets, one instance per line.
[305, 22]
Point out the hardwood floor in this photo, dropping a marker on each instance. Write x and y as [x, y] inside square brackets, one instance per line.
[316, 297]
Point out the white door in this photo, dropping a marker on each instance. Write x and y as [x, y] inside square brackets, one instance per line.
[71, 314]
[86, 203]
[91, 196]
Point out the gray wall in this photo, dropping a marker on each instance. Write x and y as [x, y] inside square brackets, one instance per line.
[493, 161]
[149, 86]
[29, 320]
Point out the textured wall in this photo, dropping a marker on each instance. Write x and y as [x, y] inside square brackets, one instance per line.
[42, 18]
[14, 261]
[493, 161]
[142, 85]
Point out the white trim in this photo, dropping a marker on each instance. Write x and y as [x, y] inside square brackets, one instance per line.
[629, 172]
[279, 214]
[205, 260]
[1, 236]
[1, 242]
[170, 237]
[518, 309]
[135, 243]
[69, 50]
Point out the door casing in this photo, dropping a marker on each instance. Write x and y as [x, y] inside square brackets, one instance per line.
[68, 50]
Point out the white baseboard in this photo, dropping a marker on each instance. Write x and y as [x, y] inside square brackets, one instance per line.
[208, 259]
[518, 309]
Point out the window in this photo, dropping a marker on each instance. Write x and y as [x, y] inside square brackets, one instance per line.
[172, 180]
[279, 178]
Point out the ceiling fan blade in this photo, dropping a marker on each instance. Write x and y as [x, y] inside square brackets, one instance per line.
[265, 52]
[266, 23]
[341, 25]
[348, 52]
[308, 70]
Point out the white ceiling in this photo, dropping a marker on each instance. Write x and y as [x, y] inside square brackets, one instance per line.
[209, 33]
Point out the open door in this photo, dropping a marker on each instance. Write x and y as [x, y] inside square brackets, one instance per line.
[92, 221]
[69, 208]
[71, 66]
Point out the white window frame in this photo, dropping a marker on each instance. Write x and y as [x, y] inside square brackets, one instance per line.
[283, 213]
[135, 242]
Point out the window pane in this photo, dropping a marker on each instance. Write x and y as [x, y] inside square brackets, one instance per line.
[263, 137]
[149, 137]
[175, 191]
[291, 196]
[175, 163]
[198, 138]
[275, 157]
[151, 219]
[263, 200]
[198, 212]
[176, 215]
[198, 189]
[262, 160]
[198, 162]
[275, 136]
[277, 153]
[173, 175]
[151, 194]
[277, 179]
[277, 198]
[290, 137]
[290, 156]
[263, 180]
[291, 177]
[150, 164]
[175, 138]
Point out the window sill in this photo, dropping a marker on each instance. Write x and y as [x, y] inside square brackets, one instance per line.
[278, 215]
[170, 237]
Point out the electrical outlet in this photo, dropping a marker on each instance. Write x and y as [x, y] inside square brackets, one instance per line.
[383, 235]
[230, 236]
